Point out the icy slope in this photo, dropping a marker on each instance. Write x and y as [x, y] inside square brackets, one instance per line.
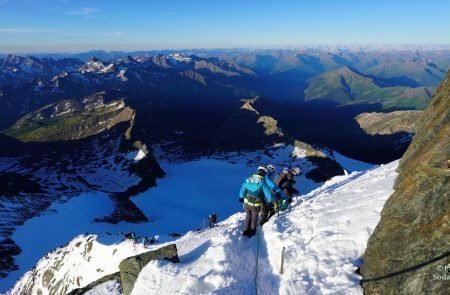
[325, 235]
[75, 265]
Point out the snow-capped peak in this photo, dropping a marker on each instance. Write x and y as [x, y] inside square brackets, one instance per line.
[97, 66]
[122, 76]
[178, 57]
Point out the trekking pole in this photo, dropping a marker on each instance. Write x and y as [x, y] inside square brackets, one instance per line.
[282, 261]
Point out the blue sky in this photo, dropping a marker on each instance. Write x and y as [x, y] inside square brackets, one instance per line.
[77, 25]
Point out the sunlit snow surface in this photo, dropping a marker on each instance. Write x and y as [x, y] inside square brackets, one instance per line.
[324, 235]
[180, 202]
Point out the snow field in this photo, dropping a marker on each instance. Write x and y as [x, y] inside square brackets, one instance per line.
[325, 235]
[202, 187]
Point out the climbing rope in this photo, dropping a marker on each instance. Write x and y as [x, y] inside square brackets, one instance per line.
[409, 269]
[257, 260]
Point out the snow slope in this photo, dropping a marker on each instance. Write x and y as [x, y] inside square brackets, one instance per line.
[75, 265]
[325, 234]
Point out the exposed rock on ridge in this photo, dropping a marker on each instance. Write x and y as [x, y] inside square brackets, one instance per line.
[408, 251]
[388, 123]
[71, 119]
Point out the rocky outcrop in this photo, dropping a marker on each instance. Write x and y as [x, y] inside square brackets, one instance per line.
[251, 126]
[408, 253]
[102, 280]
[324, 166]
[388, 123]
[307, 150]
[132, 266]
[71, 119]
[270, 126]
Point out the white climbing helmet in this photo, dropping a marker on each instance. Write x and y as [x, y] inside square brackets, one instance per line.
[295, 171]
[271, 169]
[263, 168]
[285, 170]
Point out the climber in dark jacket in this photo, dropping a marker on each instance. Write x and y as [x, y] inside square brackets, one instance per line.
[279, 178]
[253, 193]
[212, 220]
[287, 185]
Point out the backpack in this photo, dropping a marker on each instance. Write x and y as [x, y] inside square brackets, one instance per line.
[258, 195]
[280, 179]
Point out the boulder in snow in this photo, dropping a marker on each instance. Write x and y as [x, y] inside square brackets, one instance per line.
[132, 266]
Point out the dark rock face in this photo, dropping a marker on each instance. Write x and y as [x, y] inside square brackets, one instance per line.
[8, 249]
[412, 238]
[13, 183]
[325, 167]
[132, 266]
[250, 126]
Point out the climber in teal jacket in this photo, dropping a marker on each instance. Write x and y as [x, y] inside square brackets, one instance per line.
[262, 186]
[256, 191]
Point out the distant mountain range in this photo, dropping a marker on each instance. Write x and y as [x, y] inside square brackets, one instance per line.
[299, 89]
[346, 85]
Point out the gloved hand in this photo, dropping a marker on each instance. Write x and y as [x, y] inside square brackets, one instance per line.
[241, 200]
[289, 200]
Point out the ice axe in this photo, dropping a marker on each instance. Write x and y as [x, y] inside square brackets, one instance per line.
[282, 261]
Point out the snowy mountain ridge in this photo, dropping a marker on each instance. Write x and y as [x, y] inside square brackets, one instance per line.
[324, 235]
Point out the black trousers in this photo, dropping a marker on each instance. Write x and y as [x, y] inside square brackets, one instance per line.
[251, 217]
[267, 211]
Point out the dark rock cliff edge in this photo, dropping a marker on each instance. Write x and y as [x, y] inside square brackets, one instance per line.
[408, 253]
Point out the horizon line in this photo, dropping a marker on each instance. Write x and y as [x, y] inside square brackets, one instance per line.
[350, 46]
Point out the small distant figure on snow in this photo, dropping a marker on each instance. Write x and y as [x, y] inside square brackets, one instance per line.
[212, 220]
[174, 235]
[131, 236]
[149, 241]
[153, 240]
[144, 242]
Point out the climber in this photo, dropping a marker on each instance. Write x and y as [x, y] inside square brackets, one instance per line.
[212, 220]
[287, 186]
[144, 242]
[153, 240]
[279, 178]
[268, 206]
[253, 193]
[133, 238]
